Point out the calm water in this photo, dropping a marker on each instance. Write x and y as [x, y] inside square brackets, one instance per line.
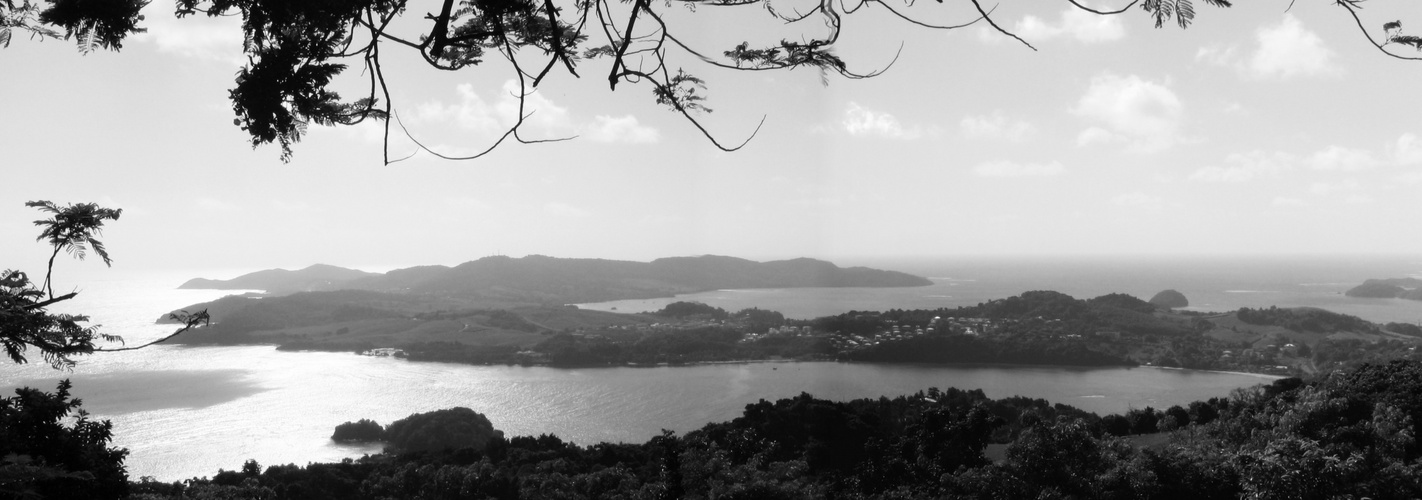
[185, 412]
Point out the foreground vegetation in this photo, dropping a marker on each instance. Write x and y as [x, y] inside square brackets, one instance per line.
[1344, 435]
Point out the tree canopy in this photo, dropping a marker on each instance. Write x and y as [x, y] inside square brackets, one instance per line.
[296, 50]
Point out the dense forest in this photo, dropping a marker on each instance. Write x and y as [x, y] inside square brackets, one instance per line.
[1341, 435]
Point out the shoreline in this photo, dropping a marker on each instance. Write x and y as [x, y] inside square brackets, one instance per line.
[784, 360]
[1261, 375]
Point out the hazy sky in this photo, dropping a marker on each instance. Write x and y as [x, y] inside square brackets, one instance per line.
[1255, 131]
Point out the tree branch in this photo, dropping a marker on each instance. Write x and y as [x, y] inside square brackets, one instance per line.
[1348, 5]
[1101, 12]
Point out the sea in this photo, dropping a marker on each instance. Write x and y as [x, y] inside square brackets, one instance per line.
[185, 412]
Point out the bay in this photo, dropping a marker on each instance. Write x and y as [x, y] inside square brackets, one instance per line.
[189, 411]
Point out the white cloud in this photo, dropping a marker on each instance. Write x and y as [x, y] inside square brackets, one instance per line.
[1097, 135]
[1083, 26]
[1219, 55]
[1013, 169]
[1407, 150]
[861, 121]
[1245, 167]
[197, 36]
[543, 117]
[540, 113]
[1144, 113]
[1343, 159]
[566, 210]
[995, 126]
[470, 112]
[1283, 201]
[1289, 49]
[624, 129]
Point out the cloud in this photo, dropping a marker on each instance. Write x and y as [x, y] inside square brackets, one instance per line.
[470, 111]
[1407, 150]
[197, 36]
[861, 121]
[566, 210]
[1075, 23]
[473, 112]
[1288, 49]
[1245, 167]
[1285, 50]
[1343, 159]
[542, 117]
[1283, 201]
[1219, 55]
[1012, 169]
[540, 113]
[623, 129]
[1097, 135]
[1144, 114]
[996, 126]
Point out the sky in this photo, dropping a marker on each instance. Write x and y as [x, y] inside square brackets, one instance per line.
[1262, 129]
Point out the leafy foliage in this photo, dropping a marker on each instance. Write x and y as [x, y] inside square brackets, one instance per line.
[363, 430]
[92, 24]
[452, 428]
[51, 449]
[295, 50]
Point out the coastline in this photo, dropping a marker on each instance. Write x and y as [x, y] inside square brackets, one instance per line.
[1260, 375]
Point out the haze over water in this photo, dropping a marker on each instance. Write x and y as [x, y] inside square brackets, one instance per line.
[187, 411]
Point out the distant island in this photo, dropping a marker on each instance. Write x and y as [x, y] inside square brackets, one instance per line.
[1392, 288]
[538, 279]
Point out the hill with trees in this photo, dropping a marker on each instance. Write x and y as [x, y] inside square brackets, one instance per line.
[282, 281]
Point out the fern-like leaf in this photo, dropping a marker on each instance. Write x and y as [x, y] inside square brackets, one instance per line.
[1184, 13]
[87, 37]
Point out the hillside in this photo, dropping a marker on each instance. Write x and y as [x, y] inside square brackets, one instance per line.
[1038, 327]
[315, 277]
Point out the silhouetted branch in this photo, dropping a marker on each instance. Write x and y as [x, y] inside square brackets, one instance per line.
[190, 321]
[1350, 5]
[1103, 12]
[999, 28]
